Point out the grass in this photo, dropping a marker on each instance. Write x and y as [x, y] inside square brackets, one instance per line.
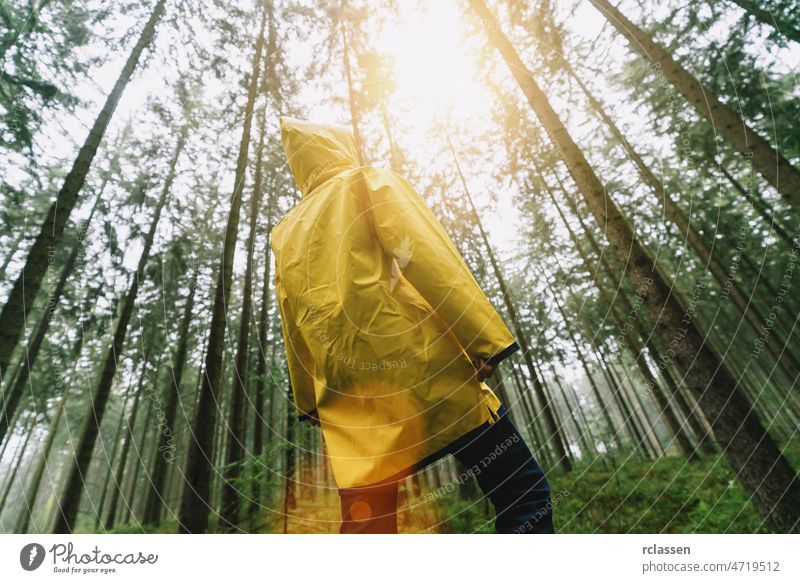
[668, 495]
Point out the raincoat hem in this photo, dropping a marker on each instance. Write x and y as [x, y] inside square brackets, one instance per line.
[442, 452]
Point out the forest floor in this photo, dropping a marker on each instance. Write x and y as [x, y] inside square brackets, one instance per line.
[628, 495]
[667, 495]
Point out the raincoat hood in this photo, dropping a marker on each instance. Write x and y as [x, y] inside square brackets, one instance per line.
[317, 151]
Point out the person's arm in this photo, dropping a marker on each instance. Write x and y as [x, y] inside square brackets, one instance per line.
[299, 359]
[408, 230]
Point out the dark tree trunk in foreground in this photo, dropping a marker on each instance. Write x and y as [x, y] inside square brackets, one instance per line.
[78, 464]
[761, 468]
[770, 163]
[195, 503]
[26, 288]
[290, 485]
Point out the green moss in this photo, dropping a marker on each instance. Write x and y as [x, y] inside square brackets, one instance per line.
[668, 495]
[630, 495]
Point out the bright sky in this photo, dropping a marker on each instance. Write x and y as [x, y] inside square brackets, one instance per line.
[430, 61]
[436, 79]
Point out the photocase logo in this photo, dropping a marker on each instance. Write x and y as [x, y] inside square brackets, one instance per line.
[31, 556]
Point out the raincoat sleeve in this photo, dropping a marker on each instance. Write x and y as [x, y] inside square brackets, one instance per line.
[408, 230]
[298, 357]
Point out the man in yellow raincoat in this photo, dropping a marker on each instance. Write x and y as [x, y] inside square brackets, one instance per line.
[389, 339]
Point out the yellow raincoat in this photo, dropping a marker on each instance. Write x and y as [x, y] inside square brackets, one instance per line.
[380, 313]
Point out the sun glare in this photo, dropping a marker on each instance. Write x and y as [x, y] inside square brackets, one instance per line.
[437, 83]
[432, 69]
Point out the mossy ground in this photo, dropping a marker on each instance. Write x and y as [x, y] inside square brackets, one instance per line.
[620, 495]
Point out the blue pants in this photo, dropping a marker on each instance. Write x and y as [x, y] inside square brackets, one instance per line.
[505, 470]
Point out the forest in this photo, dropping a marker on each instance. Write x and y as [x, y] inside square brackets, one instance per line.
[622, 177]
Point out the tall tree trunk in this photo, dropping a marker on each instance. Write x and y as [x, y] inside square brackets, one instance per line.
[107, 484]
[559, 443]
[770, 163]
[140, 468]
[194, 510]
[260, 381]
[649, 340]
[744, 304]
[35, 480]
[165, 449]
[43, 455]
[289, 486]
[674, 424]
[122, 459]
[78, 464]
[761, 468]
[147, 457]
[26, 287]
[236, 434]
[12, 398]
